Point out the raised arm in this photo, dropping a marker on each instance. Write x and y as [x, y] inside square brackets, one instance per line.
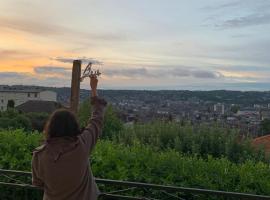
[93, 130]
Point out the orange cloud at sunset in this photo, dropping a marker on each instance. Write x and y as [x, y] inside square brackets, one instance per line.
[185, 47]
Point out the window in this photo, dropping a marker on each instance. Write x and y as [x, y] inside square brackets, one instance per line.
[29, 95]
[35, 95]
[2, 100]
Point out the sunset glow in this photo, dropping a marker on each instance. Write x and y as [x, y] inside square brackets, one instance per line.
[183, 43]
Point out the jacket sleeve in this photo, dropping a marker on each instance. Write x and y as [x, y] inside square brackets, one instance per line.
[36, 180]
[93, 130]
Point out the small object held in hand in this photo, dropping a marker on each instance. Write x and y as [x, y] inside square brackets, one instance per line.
[88, 72]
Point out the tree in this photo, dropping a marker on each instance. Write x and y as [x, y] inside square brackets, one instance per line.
[235, 108]
[84, 112]
[265, 126]
[112, 123]
[38, 120]
[10, 104]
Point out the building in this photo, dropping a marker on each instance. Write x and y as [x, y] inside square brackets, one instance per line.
[20, 96]
[265, 114]
[39, 106]
[219, 108]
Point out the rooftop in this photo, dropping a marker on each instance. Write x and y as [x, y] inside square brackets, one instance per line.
[39, 106]
[20, 89]
[263, 141]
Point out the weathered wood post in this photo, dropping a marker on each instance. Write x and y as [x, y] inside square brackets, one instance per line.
[75, 86]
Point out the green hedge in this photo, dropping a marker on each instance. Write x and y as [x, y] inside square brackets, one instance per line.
[142, 163]
[201, 140]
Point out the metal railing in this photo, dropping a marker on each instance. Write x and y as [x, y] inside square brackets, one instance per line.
[127, 190]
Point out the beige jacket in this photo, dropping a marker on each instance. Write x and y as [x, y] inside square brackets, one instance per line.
[61, 165]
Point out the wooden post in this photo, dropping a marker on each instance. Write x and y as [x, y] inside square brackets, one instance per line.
[75, 86]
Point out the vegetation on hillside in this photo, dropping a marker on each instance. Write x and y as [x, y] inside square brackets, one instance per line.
[201, 140]
[12, 119]
[140, 162]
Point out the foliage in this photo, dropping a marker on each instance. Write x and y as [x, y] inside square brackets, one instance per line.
[84, 112]
[16, 147]
[142, 163]
[112, 124]
[38, 120]
[265, 126]
[10, 104]
[201, 140]
[12, 119]
[235, 108]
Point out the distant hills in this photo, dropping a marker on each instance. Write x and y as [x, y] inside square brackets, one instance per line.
[222, 96]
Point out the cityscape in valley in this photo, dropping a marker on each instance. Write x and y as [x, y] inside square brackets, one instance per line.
[245, 111]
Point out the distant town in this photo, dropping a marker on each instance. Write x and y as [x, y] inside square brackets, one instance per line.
[232, 109]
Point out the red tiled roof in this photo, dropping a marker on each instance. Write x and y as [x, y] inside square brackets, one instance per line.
[263, 141]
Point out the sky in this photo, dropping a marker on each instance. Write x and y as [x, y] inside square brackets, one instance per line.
[153, 44]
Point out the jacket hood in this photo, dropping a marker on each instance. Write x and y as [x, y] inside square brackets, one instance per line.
[60, 146]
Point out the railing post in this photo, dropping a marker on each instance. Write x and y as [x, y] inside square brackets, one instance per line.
[75, 86]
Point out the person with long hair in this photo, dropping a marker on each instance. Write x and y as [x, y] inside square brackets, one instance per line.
[61, 165]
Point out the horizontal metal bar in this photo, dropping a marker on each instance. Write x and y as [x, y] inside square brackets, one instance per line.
[20, 185]
[15, 172]
[112, 196]
[104, 196]
[182, 189]
[120, 191]
[162, 187]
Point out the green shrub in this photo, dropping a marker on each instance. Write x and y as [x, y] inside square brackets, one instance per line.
[142, 163]
[112, 124]
[201, 140]
[38, 120]
[11, 119]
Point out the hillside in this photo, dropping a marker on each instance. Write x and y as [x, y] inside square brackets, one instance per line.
[223, 96]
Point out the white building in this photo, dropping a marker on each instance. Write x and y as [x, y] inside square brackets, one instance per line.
[21, 96]
[219, 108]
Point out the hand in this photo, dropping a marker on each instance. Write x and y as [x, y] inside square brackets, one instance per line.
[93, 84]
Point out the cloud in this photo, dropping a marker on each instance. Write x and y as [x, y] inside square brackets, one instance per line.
[238, 14]
[8, 53]
[162, 73]
[14, 78]
[12, 75]
[83, 59]
[33, 27]
[136, 72]
[47, 29]
[240, 68]
[250, 20]
[52, 70]
[206, 74]
[223, 6]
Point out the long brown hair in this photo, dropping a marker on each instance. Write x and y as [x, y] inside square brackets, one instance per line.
[61, 123]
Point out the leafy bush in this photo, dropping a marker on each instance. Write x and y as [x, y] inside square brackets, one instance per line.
[201, 140]
[11, 119]
[142, 163]
[265, 126]
[38, 120]
[16, 149]
[112, 124]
